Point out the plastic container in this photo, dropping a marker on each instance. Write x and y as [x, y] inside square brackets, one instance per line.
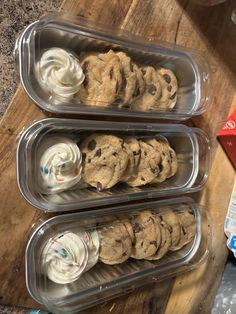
[104, 282]
[80, 35]
[191, 145]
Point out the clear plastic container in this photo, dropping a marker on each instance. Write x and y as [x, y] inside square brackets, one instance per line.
[104, 282]
[191, 145]
[80, 35]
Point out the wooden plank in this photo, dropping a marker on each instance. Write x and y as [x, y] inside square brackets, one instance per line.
[177, 22]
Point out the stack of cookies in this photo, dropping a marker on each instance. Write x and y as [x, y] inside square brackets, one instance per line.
[148, 235]
[112, 78]
[109, 159]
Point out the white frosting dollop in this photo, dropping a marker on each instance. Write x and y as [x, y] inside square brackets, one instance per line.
[59, 72]
[60, 166]
[68, 255]
[65, 258]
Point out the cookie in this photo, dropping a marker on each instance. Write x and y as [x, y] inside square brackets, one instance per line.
[131, 167]
[140, 83]
[164, 165]
[101, 89]
[104, 160]
[145, 236]
[148, 168]
[129, 228]
[129, 79]
[169, 154]
[115, 243]
[188, 228]
[173, 225]
[152, 92]
[165, 242]
[173, 162]
[135, 148]
[172, 85]
[169, 88]
[134, 152]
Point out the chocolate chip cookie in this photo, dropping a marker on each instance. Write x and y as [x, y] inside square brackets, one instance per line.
[152, 91]
[188, 227]
[165, 163]
[101, 89]
[165, 242]
[173, 225]
[172, 87]
[129, 79]
[104, 160]
[148, 168]
[145, 236]
[115, 243]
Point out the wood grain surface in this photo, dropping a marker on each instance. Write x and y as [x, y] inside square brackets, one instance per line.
[210, 31]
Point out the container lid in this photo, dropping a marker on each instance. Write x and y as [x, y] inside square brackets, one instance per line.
[145, 78]
[78, 260]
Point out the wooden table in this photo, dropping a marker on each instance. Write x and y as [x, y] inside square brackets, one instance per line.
[209, 30]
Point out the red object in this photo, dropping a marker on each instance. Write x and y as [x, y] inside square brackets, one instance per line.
[227, 138]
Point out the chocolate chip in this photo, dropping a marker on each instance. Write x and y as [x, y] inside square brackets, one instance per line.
[142, 243]
[154, 243]
[136, 153]
[99, 186]
[83, 156]
[151, 89]
[173, 96]
[98, 153]
[153, 170]
[118, 241]
[92, 144]
[118, 101]
[169, 88]
[137, 227]
[167, 78]
[89, 160]
[111, 73]
[142, 178]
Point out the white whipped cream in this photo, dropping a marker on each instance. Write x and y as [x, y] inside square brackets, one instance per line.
[70, 254]
[59, 72]
[65, 258]
[59, 160]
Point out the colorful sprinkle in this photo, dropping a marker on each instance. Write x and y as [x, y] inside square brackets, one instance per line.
[64, 253]
[46, 170]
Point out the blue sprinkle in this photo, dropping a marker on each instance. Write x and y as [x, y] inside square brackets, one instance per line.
[46, 170]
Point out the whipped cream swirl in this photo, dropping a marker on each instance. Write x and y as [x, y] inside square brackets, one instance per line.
[65, 258]
[59, 72]
[59, 164]
[69, 254]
